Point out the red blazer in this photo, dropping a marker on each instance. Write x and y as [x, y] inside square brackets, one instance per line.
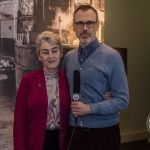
[31, 111]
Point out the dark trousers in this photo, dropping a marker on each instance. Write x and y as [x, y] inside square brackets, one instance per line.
[51, 141]
[93, 138]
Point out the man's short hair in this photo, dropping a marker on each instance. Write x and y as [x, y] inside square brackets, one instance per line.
[85, 7]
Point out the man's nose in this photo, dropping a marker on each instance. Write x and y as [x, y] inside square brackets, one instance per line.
[85, 27]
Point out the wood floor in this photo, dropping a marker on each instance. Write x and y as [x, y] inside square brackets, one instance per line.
[136, 145]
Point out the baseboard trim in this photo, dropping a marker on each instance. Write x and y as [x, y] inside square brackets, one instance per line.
[134, 136]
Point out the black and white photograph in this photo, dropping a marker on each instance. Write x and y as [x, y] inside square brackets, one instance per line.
[20, 23]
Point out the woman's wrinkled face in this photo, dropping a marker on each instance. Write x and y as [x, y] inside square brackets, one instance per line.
[50, 55]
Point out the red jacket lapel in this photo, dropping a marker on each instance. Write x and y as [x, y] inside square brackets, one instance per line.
[62, 82]
[41, 84]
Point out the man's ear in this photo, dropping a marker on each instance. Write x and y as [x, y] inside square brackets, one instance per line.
[97, 25]
[73, 26]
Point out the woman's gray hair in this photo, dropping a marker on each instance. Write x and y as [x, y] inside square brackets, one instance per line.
[49, 37]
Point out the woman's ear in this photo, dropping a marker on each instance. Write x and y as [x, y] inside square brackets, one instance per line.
[39, 58]
[61, 54]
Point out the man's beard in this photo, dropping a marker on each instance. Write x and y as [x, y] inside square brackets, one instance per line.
[85, 40]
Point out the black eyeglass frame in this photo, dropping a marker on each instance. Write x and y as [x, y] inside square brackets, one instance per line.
[84, 24]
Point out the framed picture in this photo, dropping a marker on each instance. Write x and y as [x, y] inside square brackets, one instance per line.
[20, 23]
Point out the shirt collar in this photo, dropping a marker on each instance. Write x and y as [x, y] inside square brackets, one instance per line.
[89, 47]
[48, 75]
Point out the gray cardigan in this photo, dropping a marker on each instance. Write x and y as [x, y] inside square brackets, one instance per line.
[103, 71]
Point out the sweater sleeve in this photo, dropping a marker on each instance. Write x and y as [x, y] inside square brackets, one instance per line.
[20, 116]
[119, 91]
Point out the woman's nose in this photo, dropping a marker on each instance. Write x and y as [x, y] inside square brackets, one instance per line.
[50, 54]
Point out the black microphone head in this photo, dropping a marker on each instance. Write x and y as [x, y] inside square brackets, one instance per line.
[76, 81]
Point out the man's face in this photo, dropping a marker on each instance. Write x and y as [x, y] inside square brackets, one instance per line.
[50, 56]
[85, 35]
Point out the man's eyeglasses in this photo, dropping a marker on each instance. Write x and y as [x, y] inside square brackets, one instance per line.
[89, 24]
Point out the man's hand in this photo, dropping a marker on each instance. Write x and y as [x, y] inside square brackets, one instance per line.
[80, 109]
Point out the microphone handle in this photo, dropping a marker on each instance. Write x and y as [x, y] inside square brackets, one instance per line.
[76, 97]
[76, 119]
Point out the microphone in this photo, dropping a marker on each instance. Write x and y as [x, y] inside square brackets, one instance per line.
[76, 88]
[76, 97]
[76, 85]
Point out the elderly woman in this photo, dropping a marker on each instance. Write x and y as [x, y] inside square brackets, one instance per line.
[43, 101]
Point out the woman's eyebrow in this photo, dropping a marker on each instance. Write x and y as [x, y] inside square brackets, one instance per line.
[51, 49]
[44, 49]
[54, 47]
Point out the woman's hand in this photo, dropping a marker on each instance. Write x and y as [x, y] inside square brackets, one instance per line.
[107, 95]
